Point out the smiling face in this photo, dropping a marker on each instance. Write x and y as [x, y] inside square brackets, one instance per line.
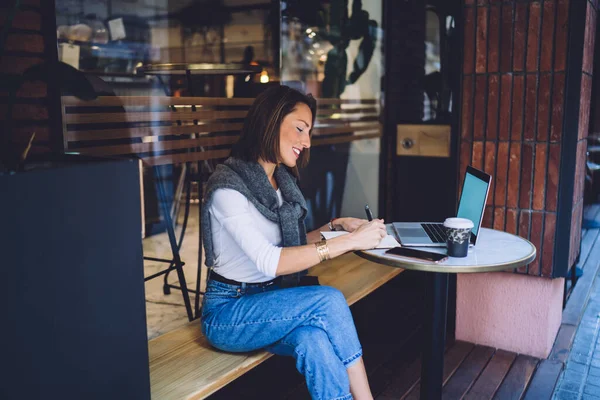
[294, 134]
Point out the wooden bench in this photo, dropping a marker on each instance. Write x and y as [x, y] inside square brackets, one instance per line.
[184, 366]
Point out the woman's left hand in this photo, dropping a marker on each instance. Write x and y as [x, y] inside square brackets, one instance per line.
[348, 224]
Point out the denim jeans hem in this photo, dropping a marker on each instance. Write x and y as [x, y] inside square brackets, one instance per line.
[351, 360]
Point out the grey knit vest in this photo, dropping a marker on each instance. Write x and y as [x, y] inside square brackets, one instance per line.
[250, 179]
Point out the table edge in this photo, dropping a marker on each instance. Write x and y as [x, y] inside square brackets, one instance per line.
[431, 267]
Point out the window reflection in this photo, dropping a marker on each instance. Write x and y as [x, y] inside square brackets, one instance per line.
[437, 99]
[333, 50]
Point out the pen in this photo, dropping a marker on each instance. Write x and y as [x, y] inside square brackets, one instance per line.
[369, 213]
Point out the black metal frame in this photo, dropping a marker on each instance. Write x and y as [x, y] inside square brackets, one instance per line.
[577, 12]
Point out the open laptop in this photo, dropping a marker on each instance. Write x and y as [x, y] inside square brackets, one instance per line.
[471, 206]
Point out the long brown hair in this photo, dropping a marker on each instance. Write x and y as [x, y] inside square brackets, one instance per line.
[260, 134]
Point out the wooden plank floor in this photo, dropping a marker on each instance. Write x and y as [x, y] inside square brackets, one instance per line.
[470, 372]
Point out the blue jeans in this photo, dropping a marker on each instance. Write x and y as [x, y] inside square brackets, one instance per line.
[313, 324]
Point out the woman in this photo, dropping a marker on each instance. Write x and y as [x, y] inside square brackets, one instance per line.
[257, 246]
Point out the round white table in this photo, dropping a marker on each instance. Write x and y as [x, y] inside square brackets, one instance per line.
[495, 251]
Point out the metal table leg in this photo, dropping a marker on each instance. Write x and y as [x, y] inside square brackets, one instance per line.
[434, 326]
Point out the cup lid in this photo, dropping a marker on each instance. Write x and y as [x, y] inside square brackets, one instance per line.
[458, 223]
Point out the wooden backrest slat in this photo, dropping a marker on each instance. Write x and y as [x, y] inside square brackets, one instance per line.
[138, 132]
[344, 139]
[138, 148]
[153, 101]
[329, 130]
[347, 101]
[153, 116]
[187, 157]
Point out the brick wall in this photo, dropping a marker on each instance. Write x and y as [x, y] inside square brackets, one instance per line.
[513, 112]
[26, 47]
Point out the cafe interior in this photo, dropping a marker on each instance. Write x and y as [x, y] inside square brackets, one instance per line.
[115, 113]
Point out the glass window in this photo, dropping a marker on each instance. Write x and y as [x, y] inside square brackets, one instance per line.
[334, 51]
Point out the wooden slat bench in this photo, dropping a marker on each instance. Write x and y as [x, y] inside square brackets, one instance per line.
[184, 366]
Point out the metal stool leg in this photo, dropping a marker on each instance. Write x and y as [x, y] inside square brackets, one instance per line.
[174, 247]
[199, 273]
[166, 286]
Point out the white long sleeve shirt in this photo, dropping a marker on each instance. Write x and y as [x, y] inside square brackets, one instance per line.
[246, 245]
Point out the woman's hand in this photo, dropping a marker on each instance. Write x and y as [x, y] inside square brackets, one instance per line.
[349, 224]
[368, 235]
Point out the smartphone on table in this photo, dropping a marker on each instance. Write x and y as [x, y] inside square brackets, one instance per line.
[420, 255]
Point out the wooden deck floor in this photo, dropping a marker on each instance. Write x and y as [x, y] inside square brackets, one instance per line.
[470, 372]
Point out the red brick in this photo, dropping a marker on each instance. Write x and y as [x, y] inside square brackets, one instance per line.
[533, 36]
[469, 46]
[24, 19]
[543, 107]
[546, 37]
[467, 108]
[511, 221]
[539, 177]
[579, 171]
[589, 38]
[477, 156]
[548, 245]
[489, 166]
[526, 175]
[16, 65]
[465, 157]
[558, 98]
[537, 226]
[520, 33]
[494, 39]
[480, 106]
[481, 40]
[561, 38]
[553, 176]
[530, 107]
[25, 43]
[499, 217]
[514, 167]
[575, 232]
[506, 38]
[505, 105]
[584, 106]
[488, 217]
[492, 108]
[517, 107]
[524, 231]
[501, 174]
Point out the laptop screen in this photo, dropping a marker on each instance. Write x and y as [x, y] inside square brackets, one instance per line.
[472, 199]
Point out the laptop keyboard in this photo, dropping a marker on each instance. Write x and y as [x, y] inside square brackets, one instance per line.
[436, 232]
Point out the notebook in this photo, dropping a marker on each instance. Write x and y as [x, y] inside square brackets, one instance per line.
[386, 243]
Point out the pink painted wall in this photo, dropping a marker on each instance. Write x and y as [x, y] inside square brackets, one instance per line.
[518, 313]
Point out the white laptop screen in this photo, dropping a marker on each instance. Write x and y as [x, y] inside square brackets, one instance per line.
[472, 200]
